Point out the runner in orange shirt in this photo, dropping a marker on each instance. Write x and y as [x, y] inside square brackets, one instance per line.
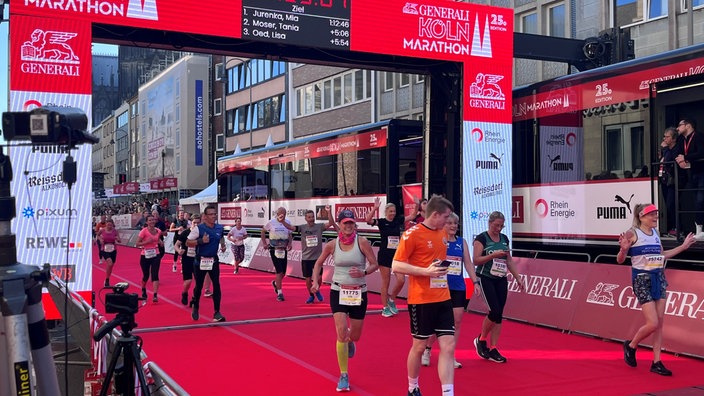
[421, 255]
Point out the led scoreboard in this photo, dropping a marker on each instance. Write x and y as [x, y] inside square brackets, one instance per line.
[307, 23]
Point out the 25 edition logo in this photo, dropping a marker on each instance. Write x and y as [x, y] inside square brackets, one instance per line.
[24, 387]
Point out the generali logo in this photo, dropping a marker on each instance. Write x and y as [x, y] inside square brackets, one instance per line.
[49, 52]
[485, 92]
[137, 9]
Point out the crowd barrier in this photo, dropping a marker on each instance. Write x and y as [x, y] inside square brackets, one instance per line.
[597, 299]
[583, 297]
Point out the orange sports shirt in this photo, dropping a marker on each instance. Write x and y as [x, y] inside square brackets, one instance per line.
[419, 246]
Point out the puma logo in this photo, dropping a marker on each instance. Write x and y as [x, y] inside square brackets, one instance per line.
[552, 160]
[627, 203]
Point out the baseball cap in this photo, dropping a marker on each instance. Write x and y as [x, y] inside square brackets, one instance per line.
[648, 209]
[345, 216]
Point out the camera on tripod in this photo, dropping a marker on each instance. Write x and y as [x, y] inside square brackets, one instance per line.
[120, 302]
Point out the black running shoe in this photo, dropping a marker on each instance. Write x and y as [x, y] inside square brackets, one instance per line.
[194, 313]
[218, 317]
[184, 298]
[415, 392]
[495, 356]
[273, 283]
[482, 350]
[107, 283]
[659, 368]
[629, 354]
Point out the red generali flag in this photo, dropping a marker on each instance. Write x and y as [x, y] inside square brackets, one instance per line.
[50, 55]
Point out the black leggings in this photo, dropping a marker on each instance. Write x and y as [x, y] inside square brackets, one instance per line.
[200, 279]
[495, 291]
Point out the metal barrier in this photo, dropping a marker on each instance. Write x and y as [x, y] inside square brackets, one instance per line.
[162, 384]
[535, 253]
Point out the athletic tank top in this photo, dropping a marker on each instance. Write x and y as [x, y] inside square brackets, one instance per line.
[455, 254]
[646, 252]
[344, 262]
[109, 236]
[490, 246]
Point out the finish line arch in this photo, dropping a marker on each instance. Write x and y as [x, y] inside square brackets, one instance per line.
[465, 49]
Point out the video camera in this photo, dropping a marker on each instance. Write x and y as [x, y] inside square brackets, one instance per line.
[48, 125]
[120, 302]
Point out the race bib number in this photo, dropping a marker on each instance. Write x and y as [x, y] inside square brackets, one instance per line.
[191, 251]
[280, 253]
[350, 295]
[455, 267]
[393, 242]
[654, 262]
[109, 248]
[206, 263]
[499, 268]
[149, 253]
[439, 282]
[311, 240]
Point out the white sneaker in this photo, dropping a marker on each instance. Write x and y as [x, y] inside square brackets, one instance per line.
[425, 359]
[458, 365]
[174, 269]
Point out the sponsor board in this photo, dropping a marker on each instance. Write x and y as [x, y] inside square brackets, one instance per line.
[598, 299]
[595, 209]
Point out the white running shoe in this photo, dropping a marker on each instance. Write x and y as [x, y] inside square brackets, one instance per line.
[425, 359]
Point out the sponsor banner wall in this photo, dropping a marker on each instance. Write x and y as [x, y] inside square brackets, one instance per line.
[598, 299]
[596, 209]
[562, 150]
[486, 176]
[254, 213]
[51, 65]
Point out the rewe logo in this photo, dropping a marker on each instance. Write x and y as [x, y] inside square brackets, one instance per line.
[143, 9]
[481, 46]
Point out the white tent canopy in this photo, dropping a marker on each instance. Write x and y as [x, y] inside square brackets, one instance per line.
[208, 196]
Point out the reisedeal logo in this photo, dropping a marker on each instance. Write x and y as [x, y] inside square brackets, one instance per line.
[137, 9]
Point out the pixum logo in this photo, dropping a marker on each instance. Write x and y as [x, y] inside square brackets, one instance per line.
[49, 213]
[49, 53]
[138, 9]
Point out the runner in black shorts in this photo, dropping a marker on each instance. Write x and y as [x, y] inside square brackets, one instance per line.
[107, 238]
[460, 264]
[279, 243]
[390, 229]
[348, 292]
[188, 255]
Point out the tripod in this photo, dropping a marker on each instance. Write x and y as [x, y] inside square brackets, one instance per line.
[22, 317]
[127, 348]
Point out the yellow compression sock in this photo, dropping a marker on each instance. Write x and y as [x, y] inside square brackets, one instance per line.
[342, 356]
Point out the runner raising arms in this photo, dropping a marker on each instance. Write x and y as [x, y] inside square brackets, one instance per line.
[348, 292]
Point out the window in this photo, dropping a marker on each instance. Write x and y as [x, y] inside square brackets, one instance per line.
[529, 23]
[220, 142]
[404, 80]
[625, 148]
[656, 8]
[263, 114]
[219, 71]
[217, 107]
[388, 81]
[253, 72]
[556, 21]
[345, 89]
[420, 78]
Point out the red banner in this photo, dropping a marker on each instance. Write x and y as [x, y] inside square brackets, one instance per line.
[219, 18]
[598, 299]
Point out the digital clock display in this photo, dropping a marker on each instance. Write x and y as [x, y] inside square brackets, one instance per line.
[307, 23]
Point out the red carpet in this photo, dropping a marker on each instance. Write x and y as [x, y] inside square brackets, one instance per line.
[270, 350]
